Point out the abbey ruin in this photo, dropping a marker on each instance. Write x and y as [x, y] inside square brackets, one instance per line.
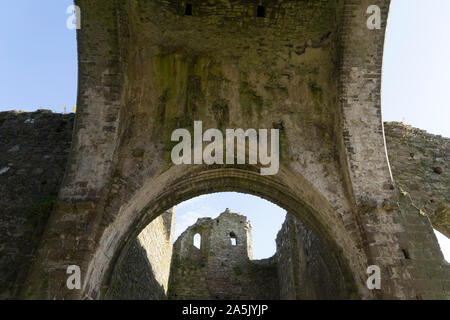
[33, 153]
[98, 190]
[223, 268]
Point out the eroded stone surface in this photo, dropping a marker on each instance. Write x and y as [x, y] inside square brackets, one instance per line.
[420, 163]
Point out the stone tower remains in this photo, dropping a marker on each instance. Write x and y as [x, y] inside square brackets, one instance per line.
[222, 268]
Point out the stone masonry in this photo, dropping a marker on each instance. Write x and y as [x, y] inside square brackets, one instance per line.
[143, 270]
[420, 163]
[311, 69]
[220, 268]
[35, 146]
[301, 268]
[306, 269]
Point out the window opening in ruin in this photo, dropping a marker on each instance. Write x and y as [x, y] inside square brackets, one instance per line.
[405, 254]
[197, 240]
[233, 239]
[261, 12]
[188, 11]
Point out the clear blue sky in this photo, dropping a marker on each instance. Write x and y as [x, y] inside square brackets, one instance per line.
[416, 73]
[38, 69]
[38, 57]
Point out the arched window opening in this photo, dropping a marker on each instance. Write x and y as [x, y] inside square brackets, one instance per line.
[233, 239]
[197, 241]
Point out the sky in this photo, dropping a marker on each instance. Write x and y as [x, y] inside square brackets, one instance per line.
[38, 70]
[416, 66]
[38, 57]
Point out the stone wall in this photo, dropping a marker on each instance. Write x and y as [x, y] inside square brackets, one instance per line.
[421, 245]
[420, 166]
[219, 269]
[34, 148]
[420, 163]
[143, 269]
[306, 269]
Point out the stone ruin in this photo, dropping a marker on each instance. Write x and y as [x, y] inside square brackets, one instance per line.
[223, 267]
[35, 147]
[311, 69]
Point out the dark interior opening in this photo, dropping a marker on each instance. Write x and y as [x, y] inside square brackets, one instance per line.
[261, 12]
[405, 254]
[188, 11]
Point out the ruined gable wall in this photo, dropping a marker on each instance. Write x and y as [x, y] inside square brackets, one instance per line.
[420, 163]
[220, 270]
[188, 271]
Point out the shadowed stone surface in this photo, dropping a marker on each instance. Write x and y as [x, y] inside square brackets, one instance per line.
[306, 270]
[142, 272]
[34, 148]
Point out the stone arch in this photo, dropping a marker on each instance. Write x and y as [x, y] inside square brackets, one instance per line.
[178, 184]
[334, 172]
